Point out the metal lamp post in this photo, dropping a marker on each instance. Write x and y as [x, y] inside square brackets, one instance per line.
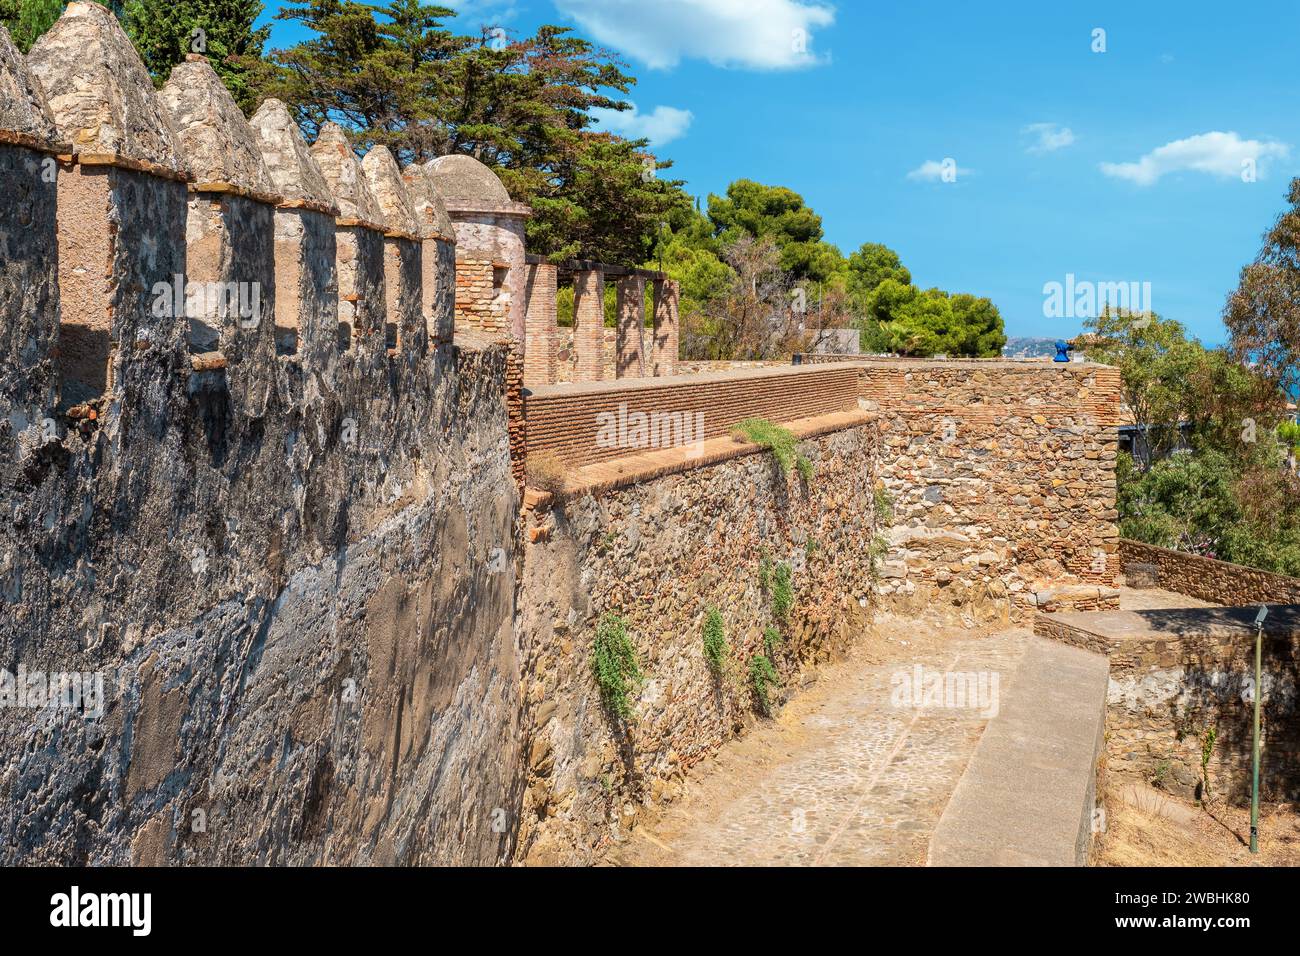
[1259, 692]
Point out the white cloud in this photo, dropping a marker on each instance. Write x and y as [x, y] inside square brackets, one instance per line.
[1219, 154]
[934, 171]
[1048, 137]
[495, 10]
[661, 126]
[754, 34]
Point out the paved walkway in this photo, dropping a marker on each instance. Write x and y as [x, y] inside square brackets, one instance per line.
[844, 776]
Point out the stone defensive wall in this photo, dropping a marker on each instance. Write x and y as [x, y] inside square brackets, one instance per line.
[269, 419]
[984, 487]
[264, 537]
[1002, 475]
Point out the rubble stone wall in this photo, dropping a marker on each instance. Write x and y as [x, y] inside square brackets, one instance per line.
[660, 555]
[1002, 479]
[1209, 580]
[1179, 707]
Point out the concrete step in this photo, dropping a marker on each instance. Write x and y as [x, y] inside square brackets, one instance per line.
[1027, 796]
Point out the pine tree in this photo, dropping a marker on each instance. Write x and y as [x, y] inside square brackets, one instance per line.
[397, 76]
[164, 31]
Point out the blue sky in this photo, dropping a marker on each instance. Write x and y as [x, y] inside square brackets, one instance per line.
[1137, 190]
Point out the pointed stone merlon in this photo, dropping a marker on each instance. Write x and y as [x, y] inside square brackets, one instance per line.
[630, 343]
[438, 257]
[490, 262]
[306, 268]
[666, 335]
[359, 242]
[121, 200]
[29, 289]
[405, 328]
[230, 271]
[540, 331]
[589, 325]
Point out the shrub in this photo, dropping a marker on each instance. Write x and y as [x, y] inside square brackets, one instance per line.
[613, 659]
[782, 592]
[762, 675]
[715, 641]
[1207, 750]
[876, 552]
[771, 640]
[884, 506]
[780, 441]
[545, 471]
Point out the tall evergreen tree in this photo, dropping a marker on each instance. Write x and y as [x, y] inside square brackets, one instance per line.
[164, 31]
[397, 76]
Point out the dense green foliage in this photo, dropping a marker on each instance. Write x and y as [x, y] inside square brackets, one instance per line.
[1263, 314]
[1210, 475]
[762, 675]
[164, 31]
[779, 440]
[614, 663]
[716, 648]
[782, 592]
[771, 640]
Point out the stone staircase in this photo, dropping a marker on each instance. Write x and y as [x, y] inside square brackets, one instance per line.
[1027, 796]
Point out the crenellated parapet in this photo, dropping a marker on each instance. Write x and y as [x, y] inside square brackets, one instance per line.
[29, 288]
[360, 243]
[228, 296]
[406, 332]
[306, 271]
[121, 203]
[438, 265]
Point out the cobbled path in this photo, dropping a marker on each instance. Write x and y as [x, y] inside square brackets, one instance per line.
[844, 776]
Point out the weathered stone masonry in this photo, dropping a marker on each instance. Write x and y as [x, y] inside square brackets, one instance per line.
[1211, 580]
[661, 553]
[293, 549]
[1002, 476]
[294, 572]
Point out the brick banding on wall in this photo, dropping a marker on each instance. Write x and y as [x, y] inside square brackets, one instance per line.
[566, 419]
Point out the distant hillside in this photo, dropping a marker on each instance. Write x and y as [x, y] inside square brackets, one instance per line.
[1020, 346]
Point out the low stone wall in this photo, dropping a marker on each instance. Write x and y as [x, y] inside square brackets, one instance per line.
[661, 553]
[1179, 695]
[600, 421]
[1209, 580]
[1002, 476]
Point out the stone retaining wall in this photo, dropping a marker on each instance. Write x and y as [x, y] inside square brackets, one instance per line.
[1209, 580]
[661, 553]
[1169, 693]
